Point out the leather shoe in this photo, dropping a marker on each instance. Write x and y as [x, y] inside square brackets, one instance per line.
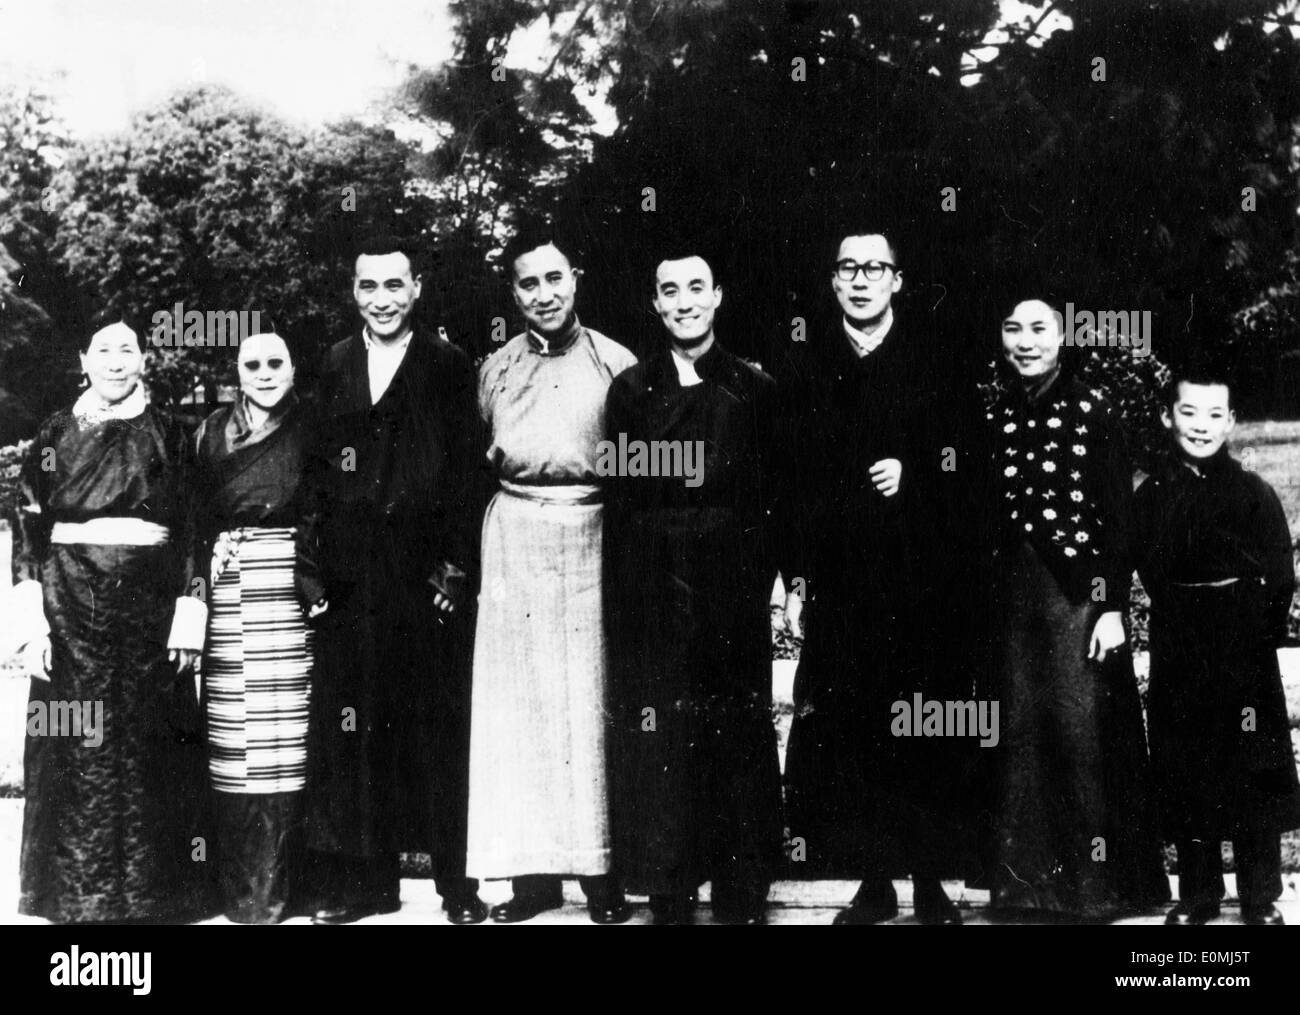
[671, 910]
[465, 909]
[875, 902]
[937, 909]
[519, 908]
[1190, 916]
[739, 905]
[330, 915]
[1266, 917]
[607, 911]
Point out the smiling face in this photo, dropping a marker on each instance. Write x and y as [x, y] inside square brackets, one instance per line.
[1031, 339]
[386, 294]
[113, 362]
[863, 301]
[1201, 418]
[546, 288]
[265, 370]
[687, 299]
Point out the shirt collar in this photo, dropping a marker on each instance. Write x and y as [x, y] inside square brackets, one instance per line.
[370, 343]
[864, 344]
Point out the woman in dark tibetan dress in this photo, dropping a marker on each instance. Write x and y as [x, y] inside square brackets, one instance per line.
[113, 821]
[1073, 832]
[257, 668]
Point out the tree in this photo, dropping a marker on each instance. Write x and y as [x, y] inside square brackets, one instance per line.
[207, 203]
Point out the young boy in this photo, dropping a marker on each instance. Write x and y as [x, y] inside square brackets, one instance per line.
[1214, 553]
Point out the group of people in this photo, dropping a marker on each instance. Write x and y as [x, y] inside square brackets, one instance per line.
[415, 613]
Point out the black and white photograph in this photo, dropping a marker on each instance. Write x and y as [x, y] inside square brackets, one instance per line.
[651, 462]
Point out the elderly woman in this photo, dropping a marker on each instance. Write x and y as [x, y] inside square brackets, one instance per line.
[1071, 811]
[113, 766]
[255, 530]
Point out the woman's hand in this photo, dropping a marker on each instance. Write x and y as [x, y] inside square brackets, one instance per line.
[184, 659]
[36, 658]
[1107, 636]
[444, 602]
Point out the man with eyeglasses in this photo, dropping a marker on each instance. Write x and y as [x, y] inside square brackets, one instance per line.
[859, 404]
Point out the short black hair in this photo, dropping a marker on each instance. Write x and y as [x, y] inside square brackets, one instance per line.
[870, 229]
[101, 319]
[376, 244]
[1196, 373]
[532, 236]
[683, 251]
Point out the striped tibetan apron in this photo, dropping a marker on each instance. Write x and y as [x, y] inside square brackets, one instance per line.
[257, 667]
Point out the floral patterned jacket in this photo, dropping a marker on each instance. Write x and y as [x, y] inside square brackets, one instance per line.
[1065, 485]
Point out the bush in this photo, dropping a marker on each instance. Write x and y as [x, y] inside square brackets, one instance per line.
[11, 460]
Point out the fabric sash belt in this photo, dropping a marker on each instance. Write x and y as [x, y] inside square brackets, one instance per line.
[111, 532]
[577, 493]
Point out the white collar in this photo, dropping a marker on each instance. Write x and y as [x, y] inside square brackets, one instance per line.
[382, 347]
[687, 375]
[90, 408]
[864, 343]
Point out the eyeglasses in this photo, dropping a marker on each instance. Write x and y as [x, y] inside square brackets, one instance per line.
[847, 271]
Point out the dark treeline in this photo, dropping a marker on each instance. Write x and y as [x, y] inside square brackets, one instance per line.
[1143, 158]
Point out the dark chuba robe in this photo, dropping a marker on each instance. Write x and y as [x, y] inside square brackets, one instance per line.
[690, 571]
[258, 658]
[887, 604]
[399, 487]
[109, 829]
[1213, 649]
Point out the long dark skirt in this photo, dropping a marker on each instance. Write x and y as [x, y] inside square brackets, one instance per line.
[1074, 828]
[1220, 741]
[259, 836]
[115, 830]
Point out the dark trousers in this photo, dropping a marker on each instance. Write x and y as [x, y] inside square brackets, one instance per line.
[1258, 856]
[598, 888]
[373, 881]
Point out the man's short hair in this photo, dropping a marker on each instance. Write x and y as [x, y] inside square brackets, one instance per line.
[869, 229]
[1202, 373]
[683, 251]
[378, 244]
[531, 237]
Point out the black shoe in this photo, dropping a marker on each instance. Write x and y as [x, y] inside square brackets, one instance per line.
[519, 908]
[671, 909]
[744, 906]
[465, 909]
[1265, 917]
[1188, 915]
[933, 906]
[609, 910]
[875, 902]
[350, 913]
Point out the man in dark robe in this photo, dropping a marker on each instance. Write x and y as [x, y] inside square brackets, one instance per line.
[876, 428]
[693, 749]
[398, 489]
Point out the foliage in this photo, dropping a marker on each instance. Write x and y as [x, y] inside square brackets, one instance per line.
[211, 204]
[11, 460]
